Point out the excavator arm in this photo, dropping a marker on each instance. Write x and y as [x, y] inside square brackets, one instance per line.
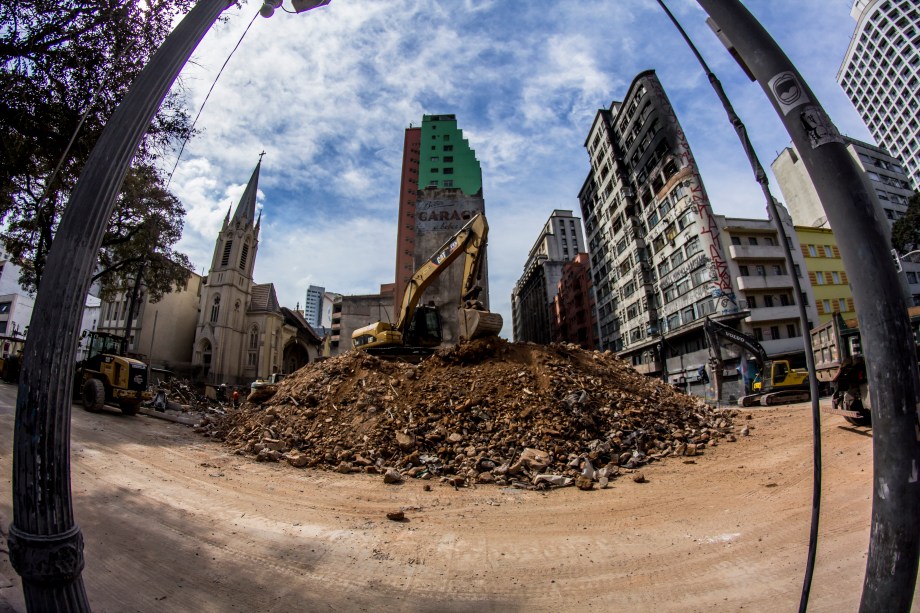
[471, 240]
[475, 320]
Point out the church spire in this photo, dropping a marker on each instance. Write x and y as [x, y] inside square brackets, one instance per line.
[246, 209]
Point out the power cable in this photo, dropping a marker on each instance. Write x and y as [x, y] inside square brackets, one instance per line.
[205, 101]
[761, 177]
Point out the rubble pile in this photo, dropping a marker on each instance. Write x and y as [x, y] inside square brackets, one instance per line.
[182, 395]
[486, 411]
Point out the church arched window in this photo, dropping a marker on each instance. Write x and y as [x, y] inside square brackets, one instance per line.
[225, 259]
[253, 357]
[243, 255]
[215, 308]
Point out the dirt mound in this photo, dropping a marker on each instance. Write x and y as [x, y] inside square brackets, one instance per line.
[483, 411]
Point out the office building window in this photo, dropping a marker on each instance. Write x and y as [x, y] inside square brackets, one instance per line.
[836, 277]
[842, 304]
[790, 331]
[819, 277]
[812, 251]
[774, 332]
[827, 305]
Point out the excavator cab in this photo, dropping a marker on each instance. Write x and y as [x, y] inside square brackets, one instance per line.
[425, 327]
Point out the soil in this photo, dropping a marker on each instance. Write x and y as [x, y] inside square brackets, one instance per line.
[176, 522]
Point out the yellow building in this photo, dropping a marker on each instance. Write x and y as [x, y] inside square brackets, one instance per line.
[828, 279]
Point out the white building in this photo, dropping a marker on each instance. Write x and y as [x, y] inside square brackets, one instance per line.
[313, 305]
[888, 185]
[15, 303]
[757, 262]
[881, 75]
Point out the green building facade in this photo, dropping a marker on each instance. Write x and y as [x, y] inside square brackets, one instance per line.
[446, 159]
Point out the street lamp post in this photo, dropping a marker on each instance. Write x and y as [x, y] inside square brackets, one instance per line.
[45, 544]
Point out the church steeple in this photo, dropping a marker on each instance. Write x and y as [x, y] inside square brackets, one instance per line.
[246, 210]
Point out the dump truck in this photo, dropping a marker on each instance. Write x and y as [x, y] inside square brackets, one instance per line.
[840, 365]
[417, 331]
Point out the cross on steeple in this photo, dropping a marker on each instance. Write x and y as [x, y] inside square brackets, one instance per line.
[260, 156]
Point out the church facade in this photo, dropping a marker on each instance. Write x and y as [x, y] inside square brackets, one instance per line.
[243, 333]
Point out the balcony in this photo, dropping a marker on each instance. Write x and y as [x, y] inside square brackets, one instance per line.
[756, 252]
[784, 345]
[764, 282]
[762, 314]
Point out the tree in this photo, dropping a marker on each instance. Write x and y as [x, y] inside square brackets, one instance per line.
[64, 67]
[137, 249]
[905, 232]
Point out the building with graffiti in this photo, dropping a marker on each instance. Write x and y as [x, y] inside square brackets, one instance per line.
[657, 261]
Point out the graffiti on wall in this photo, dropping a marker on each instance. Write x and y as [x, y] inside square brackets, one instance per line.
[721, 287]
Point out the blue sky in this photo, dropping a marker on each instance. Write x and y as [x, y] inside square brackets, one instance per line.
[328, 94]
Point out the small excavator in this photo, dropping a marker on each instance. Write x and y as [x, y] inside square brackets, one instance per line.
[417, 331]
[776, 381]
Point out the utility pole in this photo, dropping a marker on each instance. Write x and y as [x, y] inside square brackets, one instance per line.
[45, 544]
[894, 385]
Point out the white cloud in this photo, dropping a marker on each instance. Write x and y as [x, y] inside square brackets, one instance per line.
[328, 94]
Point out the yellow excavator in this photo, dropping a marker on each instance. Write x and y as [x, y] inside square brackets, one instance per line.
[417, 330]
[776, 382]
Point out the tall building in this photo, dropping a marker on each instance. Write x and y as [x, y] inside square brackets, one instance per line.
[532, 301]
[313, 306]
[657, 263]
[408, 196]
[887, 183]
[437, 156]
[450, 182]
[574, 319]
[881, 75]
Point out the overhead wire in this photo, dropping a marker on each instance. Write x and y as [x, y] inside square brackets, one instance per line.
[205, 101]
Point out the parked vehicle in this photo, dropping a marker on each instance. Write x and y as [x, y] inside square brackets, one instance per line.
[108, 375]
[417, 331]
[839, 363]
[776, 381]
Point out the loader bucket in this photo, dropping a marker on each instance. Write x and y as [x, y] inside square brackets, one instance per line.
[477, 324]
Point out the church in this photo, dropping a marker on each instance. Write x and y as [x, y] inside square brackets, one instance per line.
[242, 333]
[220, 328]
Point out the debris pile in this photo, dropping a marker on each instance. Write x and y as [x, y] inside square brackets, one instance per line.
[181, 395]
[486, 411]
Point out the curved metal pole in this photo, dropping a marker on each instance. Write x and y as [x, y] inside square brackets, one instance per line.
[45, 545]
[891, 359]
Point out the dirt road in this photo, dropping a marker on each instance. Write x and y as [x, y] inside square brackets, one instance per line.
[173, 522]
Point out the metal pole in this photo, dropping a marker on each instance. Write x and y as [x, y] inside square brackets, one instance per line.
[891, 360]
[45, 545]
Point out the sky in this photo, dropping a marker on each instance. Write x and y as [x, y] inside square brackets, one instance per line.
[328, 94]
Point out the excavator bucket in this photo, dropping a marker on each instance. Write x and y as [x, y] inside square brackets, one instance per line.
[475, 323]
